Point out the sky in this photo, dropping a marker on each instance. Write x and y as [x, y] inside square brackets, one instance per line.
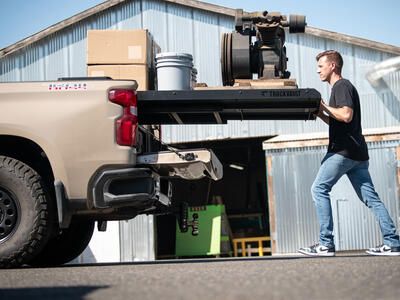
[369, 19]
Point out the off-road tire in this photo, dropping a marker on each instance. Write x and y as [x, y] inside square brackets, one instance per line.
[67, 245]
[24, 213]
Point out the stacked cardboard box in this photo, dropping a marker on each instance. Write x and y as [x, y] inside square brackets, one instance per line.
[122, 54]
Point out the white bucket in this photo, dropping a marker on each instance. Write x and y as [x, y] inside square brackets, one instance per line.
[174, 71]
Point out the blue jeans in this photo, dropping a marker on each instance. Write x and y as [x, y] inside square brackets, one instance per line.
[333, 167]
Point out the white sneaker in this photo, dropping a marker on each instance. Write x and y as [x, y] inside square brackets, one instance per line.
[317, 250]
[384, 250]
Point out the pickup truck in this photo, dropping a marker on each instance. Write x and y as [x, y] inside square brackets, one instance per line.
[82, 150]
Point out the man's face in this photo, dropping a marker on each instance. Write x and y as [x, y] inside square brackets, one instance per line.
[325, 68]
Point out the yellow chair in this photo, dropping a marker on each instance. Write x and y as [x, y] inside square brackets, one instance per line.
[250, 242]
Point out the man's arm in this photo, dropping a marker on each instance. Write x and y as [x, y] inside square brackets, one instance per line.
[341, 114]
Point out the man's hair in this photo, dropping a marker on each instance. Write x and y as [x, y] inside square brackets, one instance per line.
[332, 56]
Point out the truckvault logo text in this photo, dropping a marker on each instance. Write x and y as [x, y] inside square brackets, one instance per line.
[282, 93]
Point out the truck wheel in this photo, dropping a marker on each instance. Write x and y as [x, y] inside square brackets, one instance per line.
[24, 213]
[67, 245]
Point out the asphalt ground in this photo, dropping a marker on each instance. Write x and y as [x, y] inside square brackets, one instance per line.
[346, 276]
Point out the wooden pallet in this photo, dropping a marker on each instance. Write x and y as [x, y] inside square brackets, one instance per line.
[253, 84]
[266, 82]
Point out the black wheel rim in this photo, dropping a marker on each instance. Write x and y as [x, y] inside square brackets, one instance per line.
[8, 214]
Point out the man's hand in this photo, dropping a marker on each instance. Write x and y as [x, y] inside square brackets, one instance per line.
[320, 114]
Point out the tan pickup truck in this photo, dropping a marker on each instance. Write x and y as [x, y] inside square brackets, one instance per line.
[72, 153]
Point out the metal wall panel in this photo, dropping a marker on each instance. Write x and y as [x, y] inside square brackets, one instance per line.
[293, 172]
[56, 62]
[137, 239]
[180, 29]
[207, 32]
[295, 219]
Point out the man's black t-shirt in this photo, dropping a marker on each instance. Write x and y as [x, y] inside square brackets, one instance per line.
[346, 138]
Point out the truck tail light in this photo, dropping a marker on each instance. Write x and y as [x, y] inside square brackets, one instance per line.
[127, 124]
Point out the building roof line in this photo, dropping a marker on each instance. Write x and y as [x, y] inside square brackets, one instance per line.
[102, 7]
[352, 40]
[59, 26]
[194, 4]
[322, 138]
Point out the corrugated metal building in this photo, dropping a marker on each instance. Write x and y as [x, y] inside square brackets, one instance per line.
[196, 28]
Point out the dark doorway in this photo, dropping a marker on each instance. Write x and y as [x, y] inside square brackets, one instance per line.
[243, 190]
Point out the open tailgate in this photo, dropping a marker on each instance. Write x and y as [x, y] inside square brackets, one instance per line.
[187, 164]
[219, 106]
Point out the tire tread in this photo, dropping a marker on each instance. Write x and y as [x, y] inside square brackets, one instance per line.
[39, 232]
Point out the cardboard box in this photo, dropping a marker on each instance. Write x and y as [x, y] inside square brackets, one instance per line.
[118, 47]
[140, 73]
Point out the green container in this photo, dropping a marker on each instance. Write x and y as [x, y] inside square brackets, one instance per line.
[213, 237]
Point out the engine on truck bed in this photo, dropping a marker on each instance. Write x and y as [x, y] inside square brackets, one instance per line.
[266, 56]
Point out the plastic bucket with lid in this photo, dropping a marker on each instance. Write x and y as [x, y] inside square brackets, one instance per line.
[174, 71]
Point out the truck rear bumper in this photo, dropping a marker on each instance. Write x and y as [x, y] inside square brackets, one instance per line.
[122, 186]
[111, 186]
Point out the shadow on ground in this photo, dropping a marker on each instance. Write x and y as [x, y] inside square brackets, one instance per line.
[70, 292]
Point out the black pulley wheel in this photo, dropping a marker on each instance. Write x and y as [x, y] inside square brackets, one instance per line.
[226, 59]
[25, 213]
[223, 59]
[231, 80]
[297, 23]
[240, 55]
